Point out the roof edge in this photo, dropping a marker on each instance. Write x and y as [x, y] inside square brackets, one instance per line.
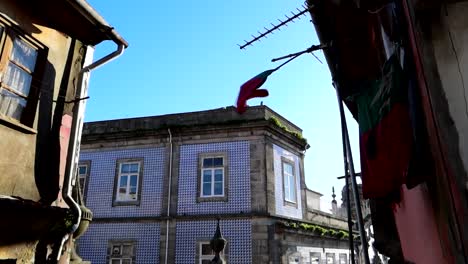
[94, 17]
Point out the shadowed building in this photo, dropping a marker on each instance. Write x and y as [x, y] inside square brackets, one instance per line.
[46, 55]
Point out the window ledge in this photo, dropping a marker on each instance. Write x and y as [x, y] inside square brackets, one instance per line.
[212, 199]
[289, 203]
[14, 124]
[125, 203]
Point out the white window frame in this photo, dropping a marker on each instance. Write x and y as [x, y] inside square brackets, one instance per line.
[212, 170]
[330, 254]
[121, 257]
[120, 260]
[82, 176]
[85, 176]
[287, 179]
[202, 257]
[128, 197]
[319, 260]
[340, 255]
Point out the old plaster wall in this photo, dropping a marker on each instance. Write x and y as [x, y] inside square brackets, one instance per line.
[19, 145]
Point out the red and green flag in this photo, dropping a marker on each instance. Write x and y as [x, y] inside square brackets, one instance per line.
[385, 130]
[250, 90]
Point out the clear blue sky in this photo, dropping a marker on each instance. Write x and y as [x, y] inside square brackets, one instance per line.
[183, 57]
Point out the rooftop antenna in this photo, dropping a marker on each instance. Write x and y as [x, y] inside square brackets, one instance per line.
[295, 15]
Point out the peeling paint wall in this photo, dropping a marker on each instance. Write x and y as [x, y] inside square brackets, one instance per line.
[20, 163]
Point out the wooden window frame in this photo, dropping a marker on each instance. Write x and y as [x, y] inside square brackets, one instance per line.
[118, 164]
[312, 253]
[11, 32]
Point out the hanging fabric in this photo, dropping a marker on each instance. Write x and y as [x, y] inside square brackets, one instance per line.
[385, 131]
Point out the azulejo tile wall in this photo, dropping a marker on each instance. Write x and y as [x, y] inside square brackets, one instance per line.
[237, 232]
[102, 175]
[238, 153]
[281, 208]
[92, 246]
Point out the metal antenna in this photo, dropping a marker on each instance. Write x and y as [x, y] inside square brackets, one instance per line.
[274, 27]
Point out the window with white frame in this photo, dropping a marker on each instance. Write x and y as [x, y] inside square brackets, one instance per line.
[18, 58]
[128, 181]
[83, 176]
[343, 258]
[121, 252]
[330, 257]
[315, 258]
[212, 181]
[289, 181]
[205, 253]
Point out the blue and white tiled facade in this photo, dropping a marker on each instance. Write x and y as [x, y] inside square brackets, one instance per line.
[280, 206]
[93, 244]
[236, 232]
[102, 176]
[238, 156]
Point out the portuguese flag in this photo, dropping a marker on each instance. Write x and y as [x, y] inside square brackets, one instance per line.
[385, 130]
[250, 90]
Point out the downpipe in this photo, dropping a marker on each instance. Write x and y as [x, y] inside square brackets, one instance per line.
[168, 195]
[74, 142]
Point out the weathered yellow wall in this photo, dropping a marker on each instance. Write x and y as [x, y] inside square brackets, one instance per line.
[17, 164]
[17, 148]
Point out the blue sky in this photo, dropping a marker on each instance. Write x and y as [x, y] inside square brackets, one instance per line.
[183, 57]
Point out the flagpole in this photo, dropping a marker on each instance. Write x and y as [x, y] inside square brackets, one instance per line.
[350, 164]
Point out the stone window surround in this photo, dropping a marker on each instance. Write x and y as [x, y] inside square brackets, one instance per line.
[290, 162]
[201, 241]
[330, 255]
[116, 182]
[203, 155]
[114, 242]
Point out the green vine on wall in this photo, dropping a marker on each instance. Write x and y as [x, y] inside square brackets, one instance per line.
[317, 230]
[296, 134]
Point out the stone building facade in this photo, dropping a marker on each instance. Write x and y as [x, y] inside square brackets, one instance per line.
[157, 185]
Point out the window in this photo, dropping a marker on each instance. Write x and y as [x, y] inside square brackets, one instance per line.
[206, 253]
[330, 258]
[315, 258]
[129, 173]
[213, 177]
[289, 181]
[343, 258]
[18, 58]
[83, 176]
[121, 252]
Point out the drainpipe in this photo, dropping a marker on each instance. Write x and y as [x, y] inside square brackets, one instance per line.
[168, 195]
[75, 136]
